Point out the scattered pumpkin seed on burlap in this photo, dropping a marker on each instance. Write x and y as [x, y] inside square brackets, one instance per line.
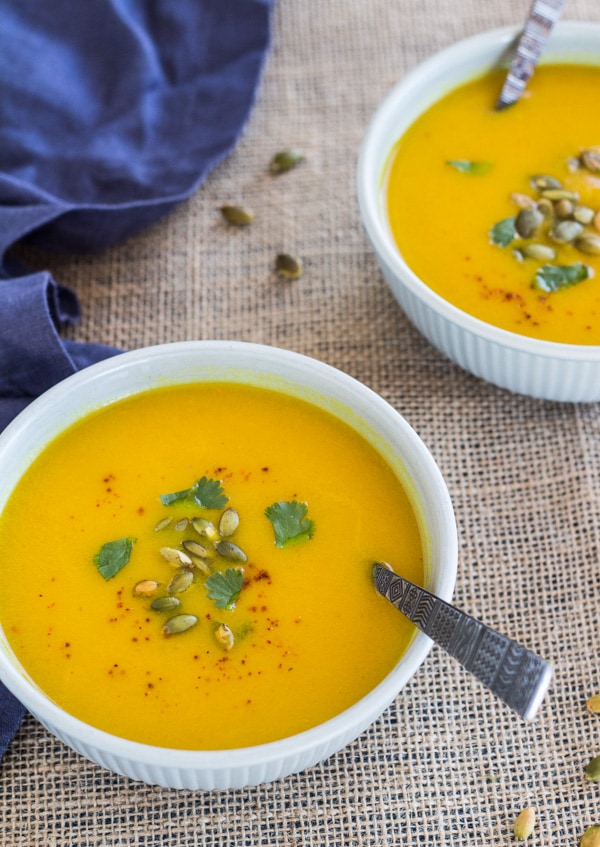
[591, 837]
[592, 769]
[289, 266]
[524, 824]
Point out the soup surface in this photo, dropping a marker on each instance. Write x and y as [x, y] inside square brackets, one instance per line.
[276, 643]
[461, 175]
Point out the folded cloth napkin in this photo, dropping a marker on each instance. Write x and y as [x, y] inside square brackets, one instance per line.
[111, 112]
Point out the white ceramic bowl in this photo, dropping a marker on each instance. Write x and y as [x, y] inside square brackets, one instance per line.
[294, 374]
[542, 369]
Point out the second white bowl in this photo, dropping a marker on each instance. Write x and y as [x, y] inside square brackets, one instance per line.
[542, 369]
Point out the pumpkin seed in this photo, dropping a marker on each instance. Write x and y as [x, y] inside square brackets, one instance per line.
[181, 581]
[523, 201]
[181, 525]
[546, 207]
[590, 159]
[592, 769]
[162, 524]
[179, 623]
[164, 604]
[539, 252]
[566, 231]
[174, 556]
[593, 704]
[583, 214]
[229, 522]
[146, 588]
[544, 182]
[195, 549]
[285, 160]
[205, 528]
[528, 222]
[588, 243]
[524, 824]
[225, 636]
[229, 550]
[596, 221]
[559, 194]
[591, 837]
[289, 266]
[237, 215]
[563, 208]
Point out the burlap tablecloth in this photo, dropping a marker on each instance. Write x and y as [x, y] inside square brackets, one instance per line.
[446, 763]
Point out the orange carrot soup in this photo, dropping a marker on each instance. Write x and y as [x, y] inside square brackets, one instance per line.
[202, 568]
[499, 211]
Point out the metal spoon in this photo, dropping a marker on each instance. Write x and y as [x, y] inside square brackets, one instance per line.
[542, 16]
[513, 673]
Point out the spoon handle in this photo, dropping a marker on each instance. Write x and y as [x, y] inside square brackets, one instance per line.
[516, 675]
[542, 16]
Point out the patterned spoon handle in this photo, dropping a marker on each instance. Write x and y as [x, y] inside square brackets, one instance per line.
[516, 675]
[542, 16]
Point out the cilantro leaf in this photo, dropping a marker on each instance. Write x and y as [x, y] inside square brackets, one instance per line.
[551, 278]
[113, 556]
[503, 232]
[175, 497]
[205, 492]
[225, 588]
[290, 524]
[467, 167]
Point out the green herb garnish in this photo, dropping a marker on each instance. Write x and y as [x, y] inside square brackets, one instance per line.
[225, 588]
[551, 278]
[113, 556]
[467, 167]
[503, 232]
[290, 524]
[206, 493]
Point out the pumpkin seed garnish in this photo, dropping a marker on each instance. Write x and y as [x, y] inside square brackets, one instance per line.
[205, 528]
[237, 215]
[588, 243]
[230, 551]
[559, 194]
[564, 209]
[181, 525]
[289, 266]
[546, 207]
[164, 604]
[285, 160]
[522, 201]
[225, 636]
[539, 252]
[543, 182]
[195, 549]
[527, 222]
[229, 522]
[181, 581]
[179, 623]
[162, 524]
[175, 557]
[590, 159]
[583, 214]
[565, 231]
[146, 588]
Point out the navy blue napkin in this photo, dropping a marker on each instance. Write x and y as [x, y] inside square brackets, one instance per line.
[111, 113]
